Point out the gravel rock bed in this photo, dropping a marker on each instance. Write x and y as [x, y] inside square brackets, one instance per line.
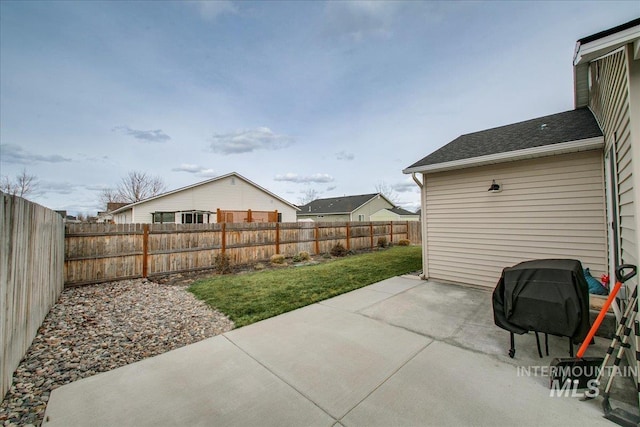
[97, 328]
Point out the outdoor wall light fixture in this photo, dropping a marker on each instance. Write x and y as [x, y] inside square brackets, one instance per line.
[495, 188]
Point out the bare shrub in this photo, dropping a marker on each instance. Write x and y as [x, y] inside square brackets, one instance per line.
[338, 250]
[222, 263]
[277, 259]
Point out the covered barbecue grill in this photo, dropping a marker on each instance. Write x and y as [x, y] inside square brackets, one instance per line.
[548, 295]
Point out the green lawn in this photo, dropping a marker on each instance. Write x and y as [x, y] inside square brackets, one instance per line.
[248, 298]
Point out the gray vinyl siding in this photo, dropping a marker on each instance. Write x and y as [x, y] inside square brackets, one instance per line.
[610, 102]
[552, 207]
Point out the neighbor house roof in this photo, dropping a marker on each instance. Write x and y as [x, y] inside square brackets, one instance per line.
[218, 178]
[400, 211]
[596, 46]
[338, 205]
[569, 131]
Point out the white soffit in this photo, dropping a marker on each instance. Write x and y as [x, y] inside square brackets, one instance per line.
[589, 51]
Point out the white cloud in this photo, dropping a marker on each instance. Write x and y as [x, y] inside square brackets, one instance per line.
[293, 177]
[156, 135]
[358, 20]
[210, 10]
[344, 155]
[247, 141]
[406, 187]
[96, 187]
[195, 169]
[45, 187]
[10, 153]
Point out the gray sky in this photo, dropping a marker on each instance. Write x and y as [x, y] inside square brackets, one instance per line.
[332, 96]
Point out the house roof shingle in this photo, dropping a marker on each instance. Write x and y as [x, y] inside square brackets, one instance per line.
[400, 211]
[336, 205]
[568, 126]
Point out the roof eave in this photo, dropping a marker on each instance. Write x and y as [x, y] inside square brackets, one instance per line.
[510, 156]
[587, 52]
[122, 209]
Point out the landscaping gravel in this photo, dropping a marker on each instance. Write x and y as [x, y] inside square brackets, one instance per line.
[97, 328]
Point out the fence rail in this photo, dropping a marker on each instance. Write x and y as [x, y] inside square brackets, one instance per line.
[31, 276]
[96, 253]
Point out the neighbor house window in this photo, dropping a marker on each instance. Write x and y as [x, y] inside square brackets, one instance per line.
[164, 217]
[360, 217]
[192, 218]
[279, 217]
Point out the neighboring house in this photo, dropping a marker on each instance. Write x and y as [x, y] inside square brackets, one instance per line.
[546, 178]
[107, 216]
[395, 214]
[345, 208]
[227, 198]
[68, 219]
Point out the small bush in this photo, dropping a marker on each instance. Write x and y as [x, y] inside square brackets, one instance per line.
[382, 242]
[297, 258]
[404, 242]
[277, 259]
[338, 250]
[304, 256]
[259, 266]
[222, 263]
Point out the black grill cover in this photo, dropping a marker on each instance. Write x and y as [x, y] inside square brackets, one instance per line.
[547, 295]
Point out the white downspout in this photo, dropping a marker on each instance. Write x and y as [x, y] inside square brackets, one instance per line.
[423, 221]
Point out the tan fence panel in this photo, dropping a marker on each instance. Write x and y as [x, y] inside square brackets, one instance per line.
[98, 253]
[31, 276]
[414, 232]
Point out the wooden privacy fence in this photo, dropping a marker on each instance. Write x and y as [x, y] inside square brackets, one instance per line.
[31, 276]
[96, 253]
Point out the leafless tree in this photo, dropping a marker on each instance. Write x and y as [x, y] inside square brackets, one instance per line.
[109, 195]
[387, 191]
[23, 185]
[136, 186]
[308, 196]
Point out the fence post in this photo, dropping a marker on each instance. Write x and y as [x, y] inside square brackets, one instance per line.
[348, 235]
[391, 233]
[224, 237]
[218, 215]
[371, 233]
[249, 218]
[277, 237]
[145, 249]
[317, 243]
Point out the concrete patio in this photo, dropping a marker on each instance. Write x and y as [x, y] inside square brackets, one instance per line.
[400, 352]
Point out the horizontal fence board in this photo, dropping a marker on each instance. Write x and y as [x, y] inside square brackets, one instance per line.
[97, 253]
